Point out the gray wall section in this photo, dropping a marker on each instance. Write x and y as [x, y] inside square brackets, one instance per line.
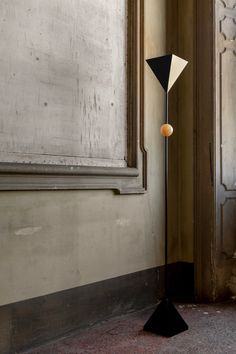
[63, 91]
[51, 241]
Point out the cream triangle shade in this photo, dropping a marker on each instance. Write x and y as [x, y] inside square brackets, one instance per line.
[167, 69]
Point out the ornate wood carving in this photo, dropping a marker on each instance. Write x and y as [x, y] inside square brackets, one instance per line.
[215, 147]
[225, 141]
[226, 89]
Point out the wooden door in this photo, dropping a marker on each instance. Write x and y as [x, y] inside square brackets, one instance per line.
[215, 177]
[225, 140]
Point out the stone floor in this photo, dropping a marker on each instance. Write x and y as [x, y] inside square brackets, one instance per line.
[212, 329]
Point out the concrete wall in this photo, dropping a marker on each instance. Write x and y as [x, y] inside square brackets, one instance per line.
[51, 241]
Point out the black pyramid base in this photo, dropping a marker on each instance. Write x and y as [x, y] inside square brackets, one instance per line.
[165, 321]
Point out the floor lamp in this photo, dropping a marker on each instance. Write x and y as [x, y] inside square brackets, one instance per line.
[166, 320]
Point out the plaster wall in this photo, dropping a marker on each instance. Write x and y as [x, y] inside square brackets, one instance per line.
[51, 241]
[63, 93]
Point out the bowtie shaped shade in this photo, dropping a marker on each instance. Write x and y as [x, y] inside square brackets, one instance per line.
[167, 69]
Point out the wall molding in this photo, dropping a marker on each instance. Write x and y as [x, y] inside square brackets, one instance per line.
[124, 180]
[204, 177]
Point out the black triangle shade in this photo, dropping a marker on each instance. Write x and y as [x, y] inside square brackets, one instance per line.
[161, 68]
[167, 69]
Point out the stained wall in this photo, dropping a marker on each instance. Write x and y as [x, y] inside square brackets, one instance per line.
[51, 241]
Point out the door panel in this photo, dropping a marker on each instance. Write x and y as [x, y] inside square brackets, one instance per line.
[225, 141]
[215, 167]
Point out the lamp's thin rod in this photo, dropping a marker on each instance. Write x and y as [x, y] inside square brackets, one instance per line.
[166, 203]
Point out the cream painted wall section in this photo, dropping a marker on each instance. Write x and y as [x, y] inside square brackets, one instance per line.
[51, 241]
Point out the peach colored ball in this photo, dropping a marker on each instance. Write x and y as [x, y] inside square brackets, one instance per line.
[166, 130]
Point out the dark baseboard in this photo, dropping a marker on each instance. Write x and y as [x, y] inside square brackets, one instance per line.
[35, 321]
[181, 281]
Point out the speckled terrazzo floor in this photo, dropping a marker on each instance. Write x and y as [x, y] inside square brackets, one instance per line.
[212, 329]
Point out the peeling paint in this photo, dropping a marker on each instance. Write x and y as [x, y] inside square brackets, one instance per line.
[27, 231]
[122, 222]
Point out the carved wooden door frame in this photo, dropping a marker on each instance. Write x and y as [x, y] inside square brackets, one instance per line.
[213, 245]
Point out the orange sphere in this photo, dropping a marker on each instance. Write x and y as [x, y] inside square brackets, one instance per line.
[166, 130]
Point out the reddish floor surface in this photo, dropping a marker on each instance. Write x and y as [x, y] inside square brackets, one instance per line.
[212, 329]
